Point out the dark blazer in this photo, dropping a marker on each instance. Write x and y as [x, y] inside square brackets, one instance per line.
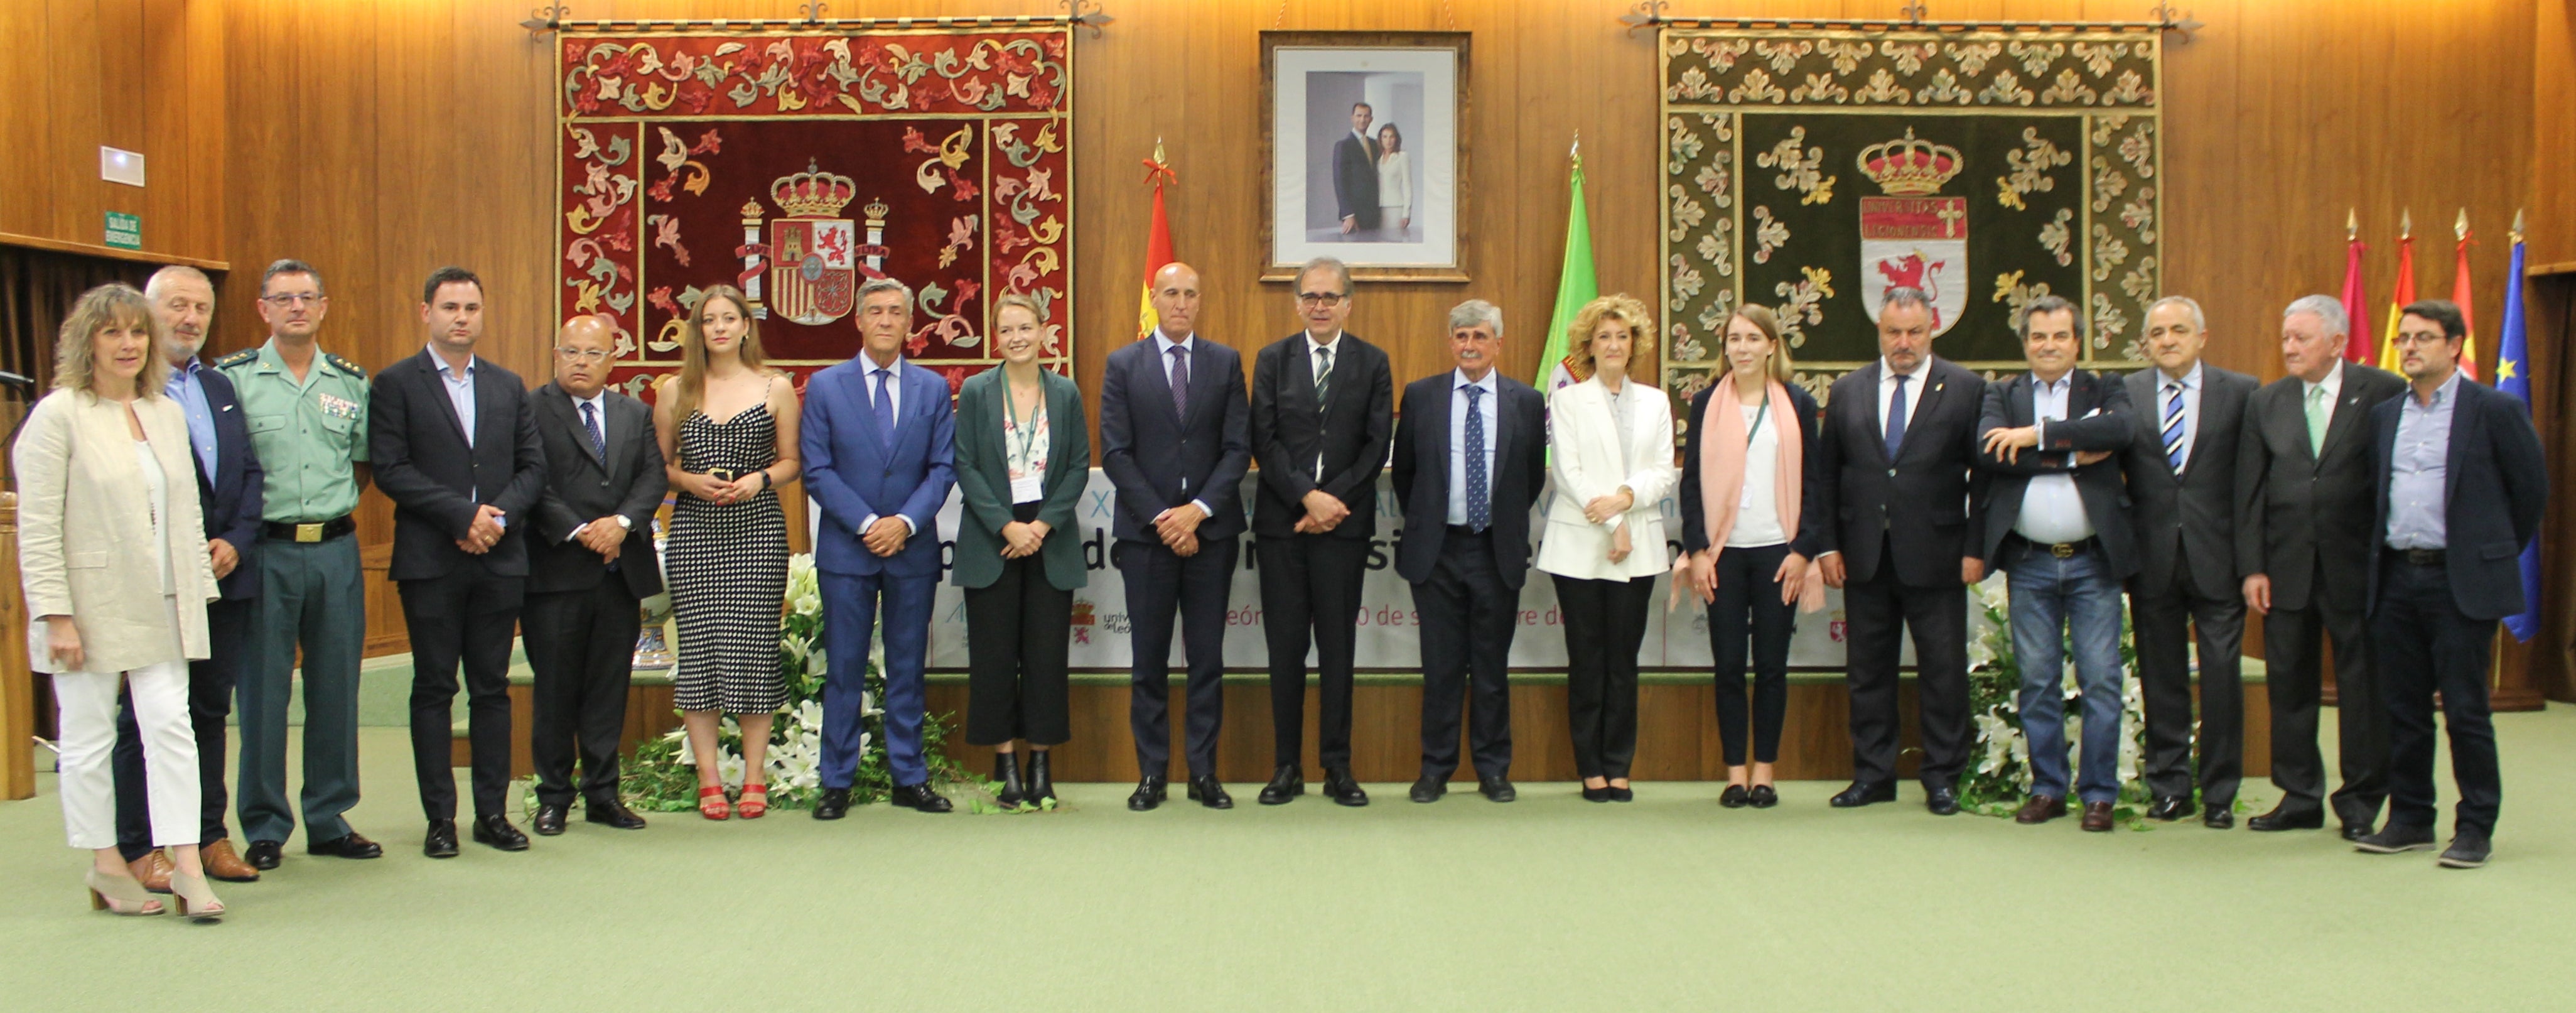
[1158, 460]
[417, 446]
[852, 471]
[1927, 502]
[2297, 511]
[2097, 418]
[1355, 180]
[1811, 518]
[1422, 473]
[583, 486]
[1288, 430]
[2190, 522]
[984, 479]
[2494, 483]
[232, 498]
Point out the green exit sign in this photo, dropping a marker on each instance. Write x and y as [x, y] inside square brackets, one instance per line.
[124, 231]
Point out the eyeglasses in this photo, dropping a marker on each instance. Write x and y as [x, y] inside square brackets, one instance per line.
[593, 356]
[291, 298]
[1320, 298]
[2420, 338]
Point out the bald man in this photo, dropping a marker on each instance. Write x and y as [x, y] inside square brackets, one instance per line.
[589, 565]
[1175, 439]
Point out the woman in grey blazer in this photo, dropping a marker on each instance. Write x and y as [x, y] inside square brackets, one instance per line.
[1023, 456]
[115, 565]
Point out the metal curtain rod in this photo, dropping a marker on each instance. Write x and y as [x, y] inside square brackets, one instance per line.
[1078, 13]
[1650, 14]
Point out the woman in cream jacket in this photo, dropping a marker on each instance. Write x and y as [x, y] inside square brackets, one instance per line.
[117, 575]
[1610, 443]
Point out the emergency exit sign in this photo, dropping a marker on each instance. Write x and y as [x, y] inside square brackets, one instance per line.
[124, 231]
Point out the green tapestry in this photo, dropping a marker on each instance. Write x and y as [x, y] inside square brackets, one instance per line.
[1809, 170]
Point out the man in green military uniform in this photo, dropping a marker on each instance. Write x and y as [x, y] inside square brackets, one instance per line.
[308, 422]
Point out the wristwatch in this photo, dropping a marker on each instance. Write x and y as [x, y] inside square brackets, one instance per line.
[625, 523]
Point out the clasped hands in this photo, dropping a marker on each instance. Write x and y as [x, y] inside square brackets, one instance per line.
[2009, 443]
[1023, 539]
[1324, 512]
[1179, 528]
[604, 536]
[724, 492]
[484, 532]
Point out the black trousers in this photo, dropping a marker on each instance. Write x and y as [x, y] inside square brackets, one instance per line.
[1605, 622]
[464, 618]
[2422, 645]
[2294, 678]
[1878, 610]
[1159, 584]
[1310, 584]
[210, 703]
[1748, 602]
[1467, 624]
[1019, 629]
[2162, 620]
[581, 647]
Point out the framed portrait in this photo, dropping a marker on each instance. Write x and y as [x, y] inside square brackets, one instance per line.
[1367, 153]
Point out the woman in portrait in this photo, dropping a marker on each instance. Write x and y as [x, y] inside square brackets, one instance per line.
[1394, 185]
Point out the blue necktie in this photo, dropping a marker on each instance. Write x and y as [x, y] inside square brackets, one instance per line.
[884, 409]
[1181, 381]
[1896, 418]
[2173, 426]
[1479, 511]
[590, 421]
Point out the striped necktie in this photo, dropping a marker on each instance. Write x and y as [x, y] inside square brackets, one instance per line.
[2173, 426]
[1323, 374]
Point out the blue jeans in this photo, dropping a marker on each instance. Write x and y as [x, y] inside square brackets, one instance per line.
[2054, 600]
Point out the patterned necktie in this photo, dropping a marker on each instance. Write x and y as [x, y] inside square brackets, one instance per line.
[2318, 408]
[1479, 511]
[2173, 427]
[1181, 381]
[1896, 418]
[1323, 374]
[590, 421]
[884, 410]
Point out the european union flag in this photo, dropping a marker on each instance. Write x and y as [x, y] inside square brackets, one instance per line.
[2513, 377]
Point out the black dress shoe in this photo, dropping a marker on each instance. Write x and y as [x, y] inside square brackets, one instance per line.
[1150, 792]
[1006, 777]
[2285, 818]
[2219, 817]
[2469, 849]
[1765, 796]
[2395, 839]
[1734, 797]
[1496, 788]
[1429, 789]
[1600, 794]
[1041, 787]
[1342, 788]
[1210, 792]
[440, 841]
[1863, 793]
[2168, 808]
[833, 804]
[1941, 799]
[549, 820]
[1619, 794]
[348, 845]
[264, 855]
[613, 813]
[497, 832]
[919, 798]
[2354, 830]
[1286, 783]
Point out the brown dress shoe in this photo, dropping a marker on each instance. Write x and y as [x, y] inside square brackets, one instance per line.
[225, 864]
[2040, 809]
[2097, 816]
[153, 871]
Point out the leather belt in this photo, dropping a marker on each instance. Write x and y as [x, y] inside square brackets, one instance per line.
[317, 531]
[2061, 550]
[722, 474]
[2419, 557]
[1463, 531]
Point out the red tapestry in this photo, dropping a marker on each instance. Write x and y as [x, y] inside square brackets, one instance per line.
[796, 166]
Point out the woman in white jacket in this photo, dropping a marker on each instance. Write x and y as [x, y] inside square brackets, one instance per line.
[1394, 186]
[1610, 440]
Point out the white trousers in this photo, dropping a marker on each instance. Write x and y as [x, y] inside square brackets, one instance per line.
[87, 706]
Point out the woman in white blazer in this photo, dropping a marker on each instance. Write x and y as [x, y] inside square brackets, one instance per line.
[1610, 443]
[1394, 185]
[117, 575]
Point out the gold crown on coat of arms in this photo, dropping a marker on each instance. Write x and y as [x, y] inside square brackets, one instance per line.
[813, 193]
[1909, 167]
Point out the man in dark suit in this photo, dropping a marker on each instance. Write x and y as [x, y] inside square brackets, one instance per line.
[2181, 465]
[1322, 406]
[228, 493]
[455, 446]
[1175, 441]
[589, 564]
[1903, 493]
[2303, 540]
[1355, 174]
[2459, 483]
[2057, 522]
[1470, 459]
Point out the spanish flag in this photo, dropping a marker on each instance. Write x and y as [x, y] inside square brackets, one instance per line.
[2460, 295]
[1158, 243]
[2405, 292]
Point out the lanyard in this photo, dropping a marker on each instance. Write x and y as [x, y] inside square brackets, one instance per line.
[1758, 415]
[1025, 429]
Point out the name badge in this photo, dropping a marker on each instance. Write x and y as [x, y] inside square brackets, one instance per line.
[1747, 502]
[1025, 490]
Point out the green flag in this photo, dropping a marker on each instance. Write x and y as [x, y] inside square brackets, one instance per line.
[1575, 286]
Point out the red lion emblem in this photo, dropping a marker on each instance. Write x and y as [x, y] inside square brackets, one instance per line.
[1912, 272]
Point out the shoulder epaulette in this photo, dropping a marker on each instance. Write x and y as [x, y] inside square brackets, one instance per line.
[238, 358]
[340, 363]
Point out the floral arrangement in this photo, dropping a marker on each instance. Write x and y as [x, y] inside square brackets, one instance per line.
[1996, 783]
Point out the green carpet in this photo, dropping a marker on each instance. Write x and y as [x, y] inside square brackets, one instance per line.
[1547, 904]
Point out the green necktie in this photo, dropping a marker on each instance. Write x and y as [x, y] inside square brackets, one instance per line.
[2318, 408]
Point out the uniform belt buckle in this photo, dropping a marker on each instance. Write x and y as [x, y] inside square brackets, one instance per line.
[308, 532]
[2062, 550]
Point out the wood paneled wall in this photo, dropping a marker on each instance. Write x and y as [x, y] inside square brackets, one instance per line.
[143, 75]
[381, 140]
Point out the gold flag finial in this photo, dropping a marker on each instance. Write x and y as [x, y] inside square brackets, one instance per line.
[2406, 224]
[2516, 235]
[2460, 226]
[1158, 150]
[2351, 225]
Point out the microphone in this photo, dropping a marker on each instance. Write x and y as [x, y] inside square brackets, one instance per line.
[15, 380]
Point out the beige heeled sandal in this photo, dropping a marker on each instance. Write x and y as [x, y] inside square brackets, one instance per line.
[121, 894]
[195, 899]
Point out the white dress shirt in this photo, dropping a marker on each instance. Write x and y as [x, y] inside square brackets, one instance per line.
[1312, 358]
[1163, 345]
[1458, 384]
[1913, 390]
[1757, 514]
[2190, 384]
[598, 405]
[460, 390]
[894, 410]
[2051, 510]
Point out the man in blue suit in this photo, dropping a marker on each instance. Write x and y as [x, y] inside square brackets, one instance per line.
[1176, 439]
[2461, 482]
[229, 491]
[879, 438]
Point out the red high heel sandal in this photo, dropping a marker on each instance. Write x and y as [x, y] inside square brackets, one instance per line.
[755, 801]
[712, 803]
